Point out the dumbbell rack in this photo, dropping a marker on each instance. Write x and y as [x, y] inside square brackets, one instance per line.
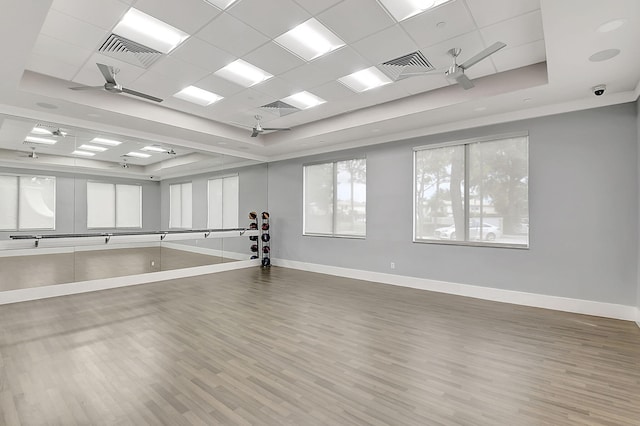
[265, 237]
[255, 239]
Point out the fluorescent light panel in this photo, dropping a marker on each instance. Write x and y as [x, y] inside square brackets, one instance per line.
[364, 80]
[103, 141]
[304, 100]
[154, 149]
[41, 131]
[222, 4]
[198, 96]
[405, 9]
[93, 148]
[45, 141]
[149, 31]
[310, 40]
[83, 153]
[138, 155]
[243, 73]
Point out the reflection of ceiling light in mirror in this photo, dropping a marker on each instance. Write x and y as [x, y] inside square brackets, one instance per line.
[243, 73]
[154, 149]
[41, 131]
[310, 40]
[93, 148]
[83, 153]
[404, 9]
[103, 141]
[138, 155]
[610, 26]
[149, 31]
[221, 4]
[197, 96]
[604, 55]
[364, 80]
[45, 141]
[303, 100]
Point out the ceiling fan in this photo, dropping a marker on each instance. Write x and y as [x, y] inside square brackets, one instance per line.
[111, 85]
[456, 71]
[258, 129]
[31, 154]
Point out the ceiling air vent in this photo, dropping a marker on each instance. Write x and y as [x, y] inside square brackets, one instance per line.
[280, 108]
[129, 51]
[413, 63]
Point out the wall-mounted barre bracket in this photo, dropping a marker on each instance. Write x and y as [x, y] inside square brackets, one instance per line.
[107, 239]
[163, 236]
[207, 234]
[243, 231]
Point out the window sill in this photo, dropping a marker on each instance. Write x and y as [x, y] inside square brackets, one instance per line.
[474, 244]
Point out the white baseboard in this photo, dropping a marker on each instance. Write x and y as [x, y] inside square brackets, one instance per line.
[207, 251]
[587, 307]
[23, 295]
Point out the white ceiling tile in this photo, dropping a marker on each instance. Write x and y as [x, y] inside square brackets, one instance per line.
[371, 18]
[90, 75]
[422, 83]
[481, 69]
[470, 43]
[156, 84]
[101, 13]
[61, 51]
[273, 17]
[514, 32]
[51, 66]
[179, 70]
[231, 35]
[220, 86]
[423, 28]
[278, 88]
[186, 15]
[273, 59]
[487, 12]
[332, 91]
[386, 44]
[519, 56]
[314, 6]
[202, 54]
[73, 31]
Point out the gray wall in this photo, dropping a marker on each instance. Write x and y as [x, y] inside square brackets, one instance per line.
[583, 212]
[71, 201]
[638, 135]
[253, 197]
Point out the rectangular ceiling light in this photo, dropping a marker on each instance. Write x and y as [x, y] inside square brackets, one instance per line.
[103, 141]
[44, 141]
[405, 9]
[365, 79]
[93, 148]
[198, 96]
[154, 148]
[243, 73]
[303, 100]
[149, 31]
[41, 131]
[138, 155]
[83, 153]
[310, 40]
[221, 4]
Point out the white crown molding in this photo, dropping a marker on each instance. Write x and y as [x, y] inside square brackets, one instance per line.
[587, 307]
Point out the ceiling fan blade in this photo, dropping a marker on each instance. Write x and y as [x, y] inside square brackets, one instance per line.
[140, 94]
[107, 73]
[482, 55]
[276, 128]
[464, 81]
[255, 133]
[86, 87]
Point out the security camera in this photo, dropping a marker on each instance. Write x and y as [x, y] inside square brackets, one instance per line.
[150, 177]
[599, 89]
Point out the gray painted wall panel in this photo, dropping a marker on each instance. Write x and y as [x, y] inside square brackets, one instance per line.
[583, 212]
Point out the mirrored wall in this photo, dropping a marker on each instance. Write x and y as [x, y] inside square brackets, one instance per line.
[80, 205]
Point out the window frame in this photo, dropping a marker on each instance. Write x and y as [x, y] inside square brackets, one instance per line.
[334, 200]
[236, 175]
[115, 205]
[466, 143]
[18, 187]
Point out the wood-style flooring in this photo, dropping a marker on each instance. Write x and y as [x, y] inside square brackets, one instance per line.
[284, 347]
[17, 272]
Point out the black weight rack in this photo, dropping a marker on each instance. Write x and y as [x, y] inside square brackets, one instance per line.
[255, 244]
[265, 237]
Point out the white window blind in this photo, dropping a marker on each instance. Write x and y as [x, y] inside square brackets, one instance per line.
[223, 200]
[180, 205]
[9, 204]
[128, 206]
[114, 205]
[27, 202]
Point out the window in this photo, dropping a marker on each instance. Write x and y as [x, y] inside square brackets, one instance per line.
[114, 205]
[181, 205]
[335, 198]
[473, 192]
[223, 202]
[27, 202]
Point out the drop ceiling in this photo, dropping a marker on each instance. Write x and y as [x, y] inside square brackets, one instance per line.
[544, 69]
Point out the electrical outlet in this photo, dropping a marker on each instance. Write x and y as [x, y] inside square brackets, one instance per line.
[153, 263]
[393, 265]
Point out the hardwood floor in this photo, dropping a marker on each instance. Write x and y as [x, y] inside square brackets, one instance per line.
[279, 346]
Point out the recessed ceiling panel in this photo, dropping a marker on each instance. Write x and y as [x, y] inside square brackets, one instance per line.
[232, 35]
[514, 32]
[273, 17]
[488, 12]
[340, 19]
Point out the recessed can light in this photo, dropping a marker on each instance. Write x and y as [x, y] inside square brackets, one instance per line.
[611, 25]
[604, 55]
